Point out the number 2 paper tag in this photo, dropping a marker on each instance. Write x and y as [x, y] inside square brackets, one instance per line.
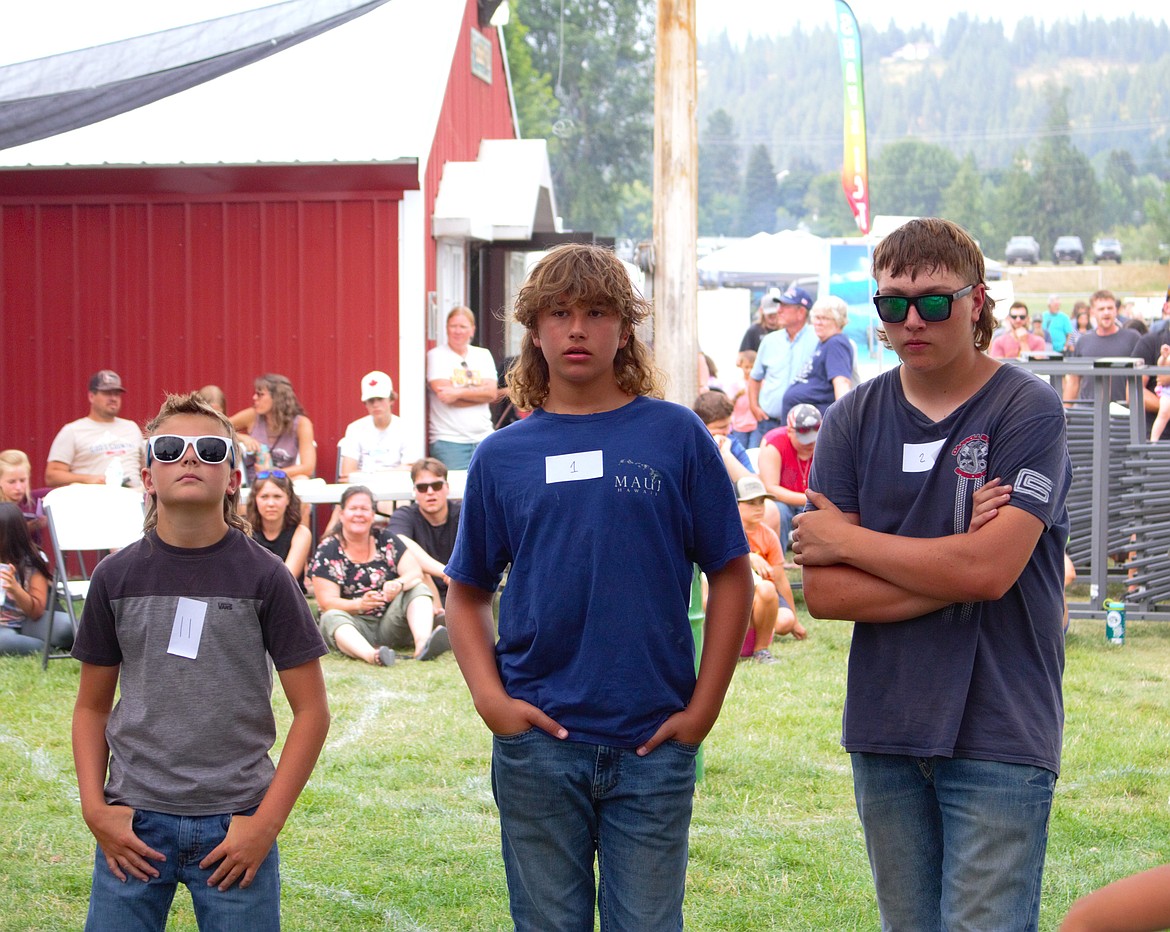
[572, 467]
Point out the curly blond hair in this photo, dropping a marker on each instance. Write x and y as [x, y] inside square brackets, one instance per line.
[571, 274]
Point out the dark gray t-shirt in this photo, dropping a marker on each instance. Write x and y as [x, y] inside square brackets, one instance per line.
[974, 680]
[1092, 345]
[437, 540]
[191, 735]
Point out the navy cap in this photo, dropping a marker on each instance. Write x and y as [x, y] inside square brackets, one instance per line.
[796, 295]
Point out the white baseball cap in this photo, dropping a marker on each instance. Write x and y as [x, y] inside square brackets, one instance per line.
[377, 384]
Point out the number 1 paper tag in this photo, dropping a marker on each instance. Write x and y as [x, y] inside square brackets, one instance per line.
[573, 466]
[187, 628]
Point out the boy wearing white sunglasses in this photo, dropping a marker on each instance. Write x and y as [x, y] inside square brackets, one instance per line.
[183, 621]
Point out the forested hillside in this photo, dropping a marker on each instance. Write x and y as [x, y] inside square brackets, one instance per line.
[1057, 129]
[975, 91]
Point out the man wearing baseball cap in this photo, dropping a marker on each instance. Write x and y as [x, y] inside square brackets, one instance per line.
[768, 322]
[377, 442]
[100, 447]
[780, 359]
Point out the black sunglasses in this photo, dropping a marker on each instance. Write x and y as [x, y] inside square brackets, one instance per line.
[1018, 316]
[932, 308]
[169, 448]
[429, 486]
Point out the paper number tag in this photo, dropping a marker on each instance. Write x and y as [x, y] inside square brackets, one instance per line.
[920, 457]
[187, 628]
[572, 467]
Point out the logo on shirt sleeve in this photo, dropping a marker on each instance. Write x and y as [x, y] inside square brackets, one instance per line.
[1034, 484]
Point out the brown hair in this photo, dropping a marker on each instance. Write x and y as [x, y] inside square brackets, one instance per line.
[1104, 295]
[193, 403]
[335, 529]
[930, 244]
[285, 406]
[292, 514]
[712, 406]
[428, 464]
[577, 273]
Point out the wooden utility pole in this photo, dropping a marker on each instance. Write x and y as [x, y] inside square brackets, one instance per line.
[676, 200]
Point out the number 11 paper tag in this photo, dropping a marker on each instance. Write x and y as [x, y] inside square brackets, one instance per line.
[187, 628]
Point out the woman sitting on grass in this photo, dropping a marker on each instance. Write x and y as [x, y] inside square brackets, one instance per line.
[370, 605]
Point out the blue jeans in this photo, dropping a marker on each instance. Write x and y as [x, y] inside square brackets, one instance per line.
[953, 843]
[185, 840]
[562, 802]
[762, 427]
[787, 513]
[453, 455]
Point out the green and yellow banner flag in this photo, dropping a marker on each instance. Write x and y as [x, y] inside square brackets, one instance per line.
[855, 170]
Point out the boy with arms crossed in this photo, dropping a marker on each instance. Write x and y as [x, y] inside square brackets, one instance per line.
[601, 500]
[953, 710]
[183, 621]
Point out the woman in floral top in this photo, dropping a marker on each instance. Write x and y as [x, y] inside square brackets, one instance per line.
[370, 606]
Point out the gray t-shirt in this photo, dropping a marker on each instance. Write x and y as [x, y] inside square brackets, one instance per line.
[191, 735]
[979, 680]
[1092, 345]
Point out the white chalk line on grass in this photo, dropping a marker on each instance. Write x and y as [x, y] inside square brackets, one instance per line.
[40, 762]
[396, 919]
[357, 729]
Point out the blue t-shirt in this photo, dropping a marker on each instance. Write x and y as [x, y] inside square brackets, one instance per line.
[601, 517]
[814, 386]
[1059, 326]
[779, 360]
[975, 680]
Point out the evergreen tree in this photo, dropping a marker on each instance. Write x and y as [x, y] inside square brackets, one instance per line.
[909, 178]
[827, 210]
[760, 196]
[1068, 196]
[1014, 208]
[962, 202]
[719, 177]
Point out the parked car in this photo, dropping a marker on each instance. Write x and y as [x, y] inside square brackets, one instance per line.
[1107, 248]
[1068, 248]
[1022, 249]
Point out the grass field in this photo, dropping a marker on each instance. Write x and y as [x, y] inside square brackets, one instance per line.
[397, 829]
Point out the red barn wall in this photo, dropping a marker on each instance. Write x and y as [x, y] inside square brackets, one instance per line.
[177, 292]
[472, 110]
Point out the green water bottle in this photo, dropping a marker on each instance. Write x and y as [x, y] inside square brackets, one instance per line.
[1114, 621]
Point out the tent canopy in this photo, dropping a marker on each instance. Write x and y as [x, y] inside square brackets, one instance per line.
[47, 96]
[766, 257]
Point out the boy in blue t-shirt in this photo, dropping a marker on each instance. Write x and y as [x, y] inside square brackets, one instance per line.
[953, 711]
[184, 624]
[601, 501]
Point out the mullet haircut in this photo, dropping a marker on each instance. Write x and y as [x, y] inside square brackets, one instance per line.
[931, 244]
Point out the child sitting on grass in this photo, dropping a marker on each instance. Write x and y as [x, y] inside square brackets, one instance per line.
[772, 613]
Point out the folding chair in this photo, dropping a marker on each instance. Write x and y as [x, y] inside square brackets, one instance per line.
[87, 518]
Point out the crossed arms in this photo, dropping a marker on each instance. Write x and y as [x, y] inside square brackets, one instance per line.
[855, 573]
